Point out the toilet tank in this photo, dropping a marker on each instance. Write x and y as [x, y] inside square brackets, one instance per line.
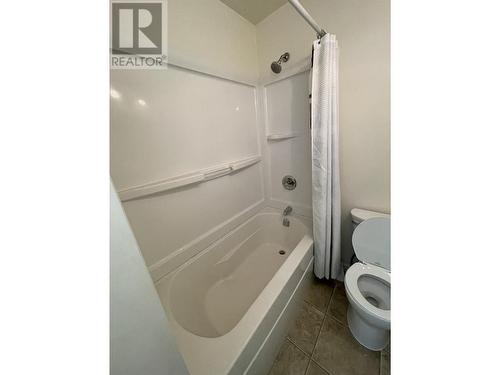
[358, 215]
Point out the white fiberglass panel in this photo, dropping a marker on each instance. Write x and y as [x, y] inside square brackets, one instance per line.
[288, 113]
[288, 105]
[166, 123]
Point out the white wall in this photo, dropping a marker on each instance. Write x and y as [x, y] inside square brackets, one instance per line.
[188, 121]
[141, 341]
[363, 30]
[209, 36]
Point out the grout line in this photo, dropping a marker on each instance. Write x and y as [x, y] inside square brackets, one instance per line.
[298, 347]
[328, 304]
[308, 364]
[315, 308]
[322, 367]
[333, 316]
[338, 321]
[307, 367]
[321, 327]
[317, 338]
[310, 356]
[271, 369]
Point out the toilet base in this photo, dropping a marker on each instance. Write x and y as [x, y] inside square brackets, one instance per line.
[369, 336]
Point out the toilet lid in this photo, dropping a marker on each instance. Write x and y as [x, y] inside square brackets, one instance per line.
[371, 241]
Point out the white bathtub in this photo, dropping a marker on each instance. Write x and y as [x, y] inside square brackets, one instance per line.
[230, 305]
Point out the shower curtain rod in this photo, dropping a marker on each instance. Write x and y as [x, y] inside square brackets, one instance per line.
[303, 12]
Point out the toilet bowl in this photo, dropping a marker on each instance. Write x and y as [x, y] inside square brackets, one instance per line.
[368, 284]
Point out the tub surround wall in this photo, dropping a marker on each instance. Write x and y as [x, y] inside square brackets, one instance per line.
[186, 122]
[363, 31]
[197, 118]
[287, 149]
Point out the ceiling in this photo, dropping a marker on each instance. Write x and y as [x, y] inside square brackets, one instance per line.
[254, 10]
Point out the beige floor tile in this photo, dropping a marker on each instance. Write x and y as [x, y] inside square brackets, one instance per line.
[385, 363]
[318, 293]
[338, 304]
[290, 361]
[315, 369]
[339, 353]
[305, 330]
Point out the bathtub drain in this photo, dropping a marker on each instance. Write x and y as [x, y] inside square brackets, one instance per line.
[282, 252]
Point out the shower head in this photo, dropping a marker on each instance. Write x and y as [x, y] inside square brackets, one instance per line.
[276, 65]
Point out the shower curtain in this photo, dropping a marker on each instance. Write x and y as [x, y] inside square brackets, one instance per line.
[325, 158]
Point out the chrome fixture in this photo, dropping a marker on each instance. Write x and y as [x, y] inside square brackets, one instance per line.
[305, 14]
[276, 65]
[289, 182]
[287, 211]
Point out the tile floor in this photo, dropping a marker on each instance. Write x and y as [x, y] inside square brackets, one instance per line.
[320, 342]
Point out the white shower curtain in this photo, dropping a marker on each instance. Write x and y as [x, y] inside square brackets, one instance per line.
[325, 158]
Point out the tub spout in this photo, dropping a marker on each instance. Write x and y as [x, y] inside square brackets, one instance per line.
[287, 211]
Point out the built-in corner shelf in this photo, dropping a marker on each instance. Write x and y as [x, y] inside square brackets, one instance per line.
[281, 137]
[187, 179]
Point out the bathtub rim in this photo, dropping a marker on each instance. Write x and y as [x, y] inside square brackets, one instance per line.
[199, 351]
[306, 220]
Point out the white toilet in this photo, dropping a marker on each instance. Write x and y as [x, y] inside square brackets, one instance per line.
[368, 282]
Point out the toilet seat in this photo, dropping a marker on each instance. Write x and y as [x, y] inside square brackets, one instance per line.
[368, 284]
[351, 285]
